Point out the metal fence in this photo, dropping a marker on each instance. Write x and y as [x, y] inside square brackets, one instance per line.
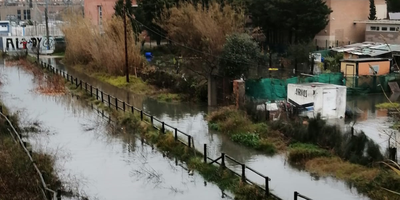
[48, 193]
[179, 136]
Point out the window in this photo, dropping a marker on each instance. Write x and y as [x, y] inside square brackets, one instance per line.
[392, 29]
[25, 16]
[100, 12]
[28, 13]
[376, 69]
[19, 14]
[384, 28]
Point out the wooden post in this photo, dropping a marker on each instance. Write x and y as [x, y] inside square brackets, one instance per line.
[58, 194]
[189, 141]
[97, 93]
[116, 103]
[85, 86]
[266, 186]
[141, 115]
[295, 195]
[123, 105]
[80, 84]
[176, 134]
[91, 90]
[243, 173]
[205, 153]
[151, 119]
[132, 110]
[76, 82]
[1, 109]
[162, 127]
[109, 101]
[102, 98]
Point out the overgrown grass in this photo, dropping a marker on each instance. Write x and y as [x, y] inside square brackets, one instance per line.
[237, 125]
[388, 105]
[18, 178]
[300, 152]
[169, 97]
[367, 180]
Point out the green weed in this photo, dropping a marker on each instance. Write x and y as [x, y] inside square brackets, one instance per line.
[169, 97]
[388, 106]
[300, 152]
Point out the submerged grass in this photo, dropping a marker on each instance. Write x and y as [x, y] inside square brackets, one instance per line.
[240, 129]
[300, 152]
[18, 178]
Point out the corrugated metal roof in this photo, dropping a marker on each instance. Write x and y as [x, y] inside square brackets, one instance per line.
[394, 16]
[368, 49]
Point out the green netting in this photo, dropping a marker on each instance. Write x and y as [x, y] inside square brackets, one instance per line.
[276, 89]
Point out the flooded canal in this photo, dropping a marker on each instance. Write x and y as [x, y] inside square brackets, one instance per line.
[285, 179]
[92, 155]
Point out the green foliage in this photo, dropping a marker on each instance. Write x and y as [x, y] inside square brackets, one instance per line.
[393, 5]
[301, 51]
[333, 62]
[247, 139]
[168, 97]
[135, 84]
[356, 148]
[388, 106]
[302, 19]
[239, 53]
[372, 10]
[300, 152]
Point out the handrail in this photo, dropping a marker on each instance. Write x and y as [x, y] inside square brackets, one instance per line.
[43, 182]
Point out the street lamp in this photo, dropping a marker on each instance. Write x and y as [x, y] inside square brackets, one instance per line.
[126, 46]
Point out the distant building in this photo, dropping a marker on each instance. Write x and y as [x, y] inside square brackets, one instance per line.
[99, 10]
[342, 28]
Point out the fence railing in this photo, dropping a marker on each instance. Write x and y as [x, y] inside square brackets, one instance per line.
[48, 193]
[179, 136]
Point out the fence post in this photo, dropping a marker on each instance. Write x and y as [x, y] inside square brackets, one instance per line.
[63, 74]
[243, 173]
[116, 103]
[1, 109]
[267, 186]
[337, 43]
[76, 82]
[295, 195]
[85, 86]
[162, 127]
[205, 153]
[102, 99]
[176, 134]
[151, 119]
[132, 110]
[326, 44]
[72, 80]
[123, 105]
[67, 77]
[80, 84]
[109, 101]
[58, 194]
[189, 141]
[223, 160]
[97, 93]
[91, 91]
[141, 115]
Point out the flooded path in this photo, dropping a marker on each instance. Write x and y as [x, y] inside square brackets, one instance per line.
[92, 155]
[190, 118]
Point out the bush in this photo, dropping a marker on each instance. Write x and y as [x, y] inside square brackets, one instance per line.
[300, 152]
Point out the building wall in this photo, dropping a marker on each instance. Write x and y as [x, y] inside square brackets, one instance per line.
[390, 32]
[341, 25]
[91, 9]
[364, 69]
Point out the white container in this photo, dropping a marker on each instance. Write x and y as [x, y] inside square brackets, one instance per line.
[327, 99]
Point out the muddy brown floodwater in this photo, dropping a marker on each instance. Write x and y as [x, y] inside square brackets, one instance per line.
[285, 179]
[91, 155]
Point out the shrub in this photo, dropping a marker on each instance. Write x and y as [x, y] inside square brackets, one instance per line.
[300, 152]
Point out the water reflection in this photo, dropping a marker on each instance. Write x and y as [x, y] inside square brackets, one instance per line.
[101, 160]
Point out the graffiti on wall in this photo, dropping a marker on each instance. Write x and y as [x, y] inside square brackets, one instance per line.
[28, 42]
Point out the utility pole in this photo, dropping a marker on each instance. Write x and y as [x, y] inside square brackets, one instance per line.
[126, 45]
[47, 25]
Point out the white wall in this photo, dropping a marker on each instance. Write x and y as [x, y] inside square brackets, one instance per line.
[14, 43]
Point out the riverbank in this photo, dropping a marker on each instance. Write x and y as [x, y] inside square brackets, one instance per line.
[166, 143]
[316, 147]
[18, 177]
